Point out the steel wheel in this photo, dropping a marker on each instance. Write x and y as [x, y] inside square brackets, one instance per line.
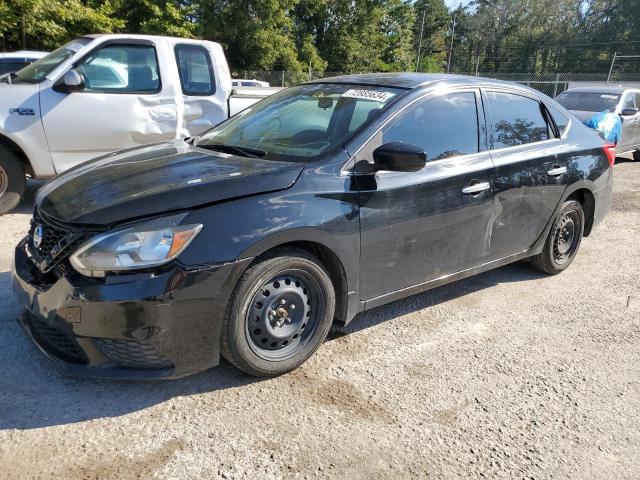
[565, 240]
[283, 315]
[4, 181]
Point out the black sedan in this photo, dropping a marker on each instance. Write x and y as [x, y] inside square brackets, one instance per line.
[322, 201]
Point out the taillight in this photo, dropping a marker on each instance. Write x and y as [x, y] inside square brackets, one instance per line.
[610, 152]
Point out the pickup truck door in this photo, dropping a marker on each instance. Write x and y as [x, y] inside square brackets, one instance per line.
[125, 103]
[203, 94]
[420, 226]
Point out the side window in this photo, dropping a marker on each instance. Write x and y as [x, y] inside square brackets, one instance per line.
[121, 68]
[444, 126]
[196, 70]
[516, 120]
[560, 119]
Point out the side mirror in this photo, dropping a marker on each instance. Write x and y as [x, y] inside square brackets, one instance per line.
[399, 157]
[629, 112]
[72, 81]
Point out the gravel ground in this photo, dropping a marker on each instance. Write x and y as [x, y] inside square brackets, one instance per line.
[507, 374]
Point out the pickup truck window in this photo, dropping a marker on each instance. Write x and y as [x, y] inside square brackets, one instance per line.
[196, 70]
[37, 71]
[121, 68]
[302, 123]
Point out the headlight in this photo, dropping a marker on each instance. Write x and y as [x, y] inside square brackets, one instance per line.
[144, 245]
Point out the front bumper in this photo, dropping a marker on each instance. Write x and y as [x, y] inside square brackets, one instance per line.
[136, 326]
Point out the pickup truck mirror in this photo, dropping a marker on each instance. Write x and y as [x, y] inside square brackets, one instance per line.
[72, 81]
[399, 157]
[629, 112]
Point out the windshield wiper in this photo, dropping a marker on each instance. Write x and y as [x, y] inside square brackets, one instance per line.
[242, 151]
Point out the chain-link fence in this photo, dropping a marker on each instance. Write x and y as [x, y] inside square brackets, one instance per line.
[550, 84]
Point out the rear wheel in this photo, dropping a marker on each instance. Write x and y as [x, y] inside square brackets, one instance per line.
[636, 155]
[563, 241]
[12, 181]
[279, 314]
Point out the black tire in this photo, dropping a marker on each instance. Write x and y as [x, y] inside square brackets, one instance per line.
[264, 337]
[563, 241]
[636, 155]
[12, 181]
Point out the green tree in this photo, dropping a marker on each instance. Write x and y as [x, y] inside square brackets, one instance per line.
[46, 24]
[158, 17]
[256, 34]
[433, 54]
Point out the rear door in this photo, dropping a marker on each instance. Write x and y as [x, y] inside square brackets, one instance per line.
[531, 170]
[202, 94]
[419, 226]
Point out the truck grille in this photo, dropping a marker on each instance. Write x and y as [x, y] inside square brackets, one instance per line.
[56, 342]
[133, 354]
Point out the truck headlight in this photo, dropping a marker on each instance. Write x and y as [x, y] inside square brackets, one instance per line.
[144, 245]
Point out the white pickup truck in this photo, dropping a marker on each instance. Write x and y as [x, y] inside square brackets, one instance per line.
[102, 93]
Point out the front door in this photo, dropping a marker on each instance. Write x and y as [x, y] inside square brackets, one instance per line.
[423, 225]
[124, 104]
[532, 170]
[630, 123]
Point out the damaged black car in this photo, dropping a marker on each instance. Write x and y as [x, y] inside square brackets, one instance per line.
[319, 202]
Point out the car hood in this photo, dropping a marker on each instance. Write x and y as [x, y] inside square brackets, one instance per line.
[155, 179]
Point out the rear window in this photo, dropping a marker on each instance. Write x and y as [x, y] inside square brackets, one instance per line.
[196, 70]
[588, 101]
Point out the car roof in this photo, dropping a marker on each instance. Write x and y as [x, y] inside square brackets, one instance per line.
[24, 54]
[411, 80]
[604, 89]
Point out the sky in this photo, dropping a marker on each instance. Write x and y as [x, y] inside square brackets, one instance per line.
[455, 3]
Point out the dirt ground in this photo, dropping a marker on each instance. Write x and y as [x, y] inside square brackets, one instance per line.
[510, 374]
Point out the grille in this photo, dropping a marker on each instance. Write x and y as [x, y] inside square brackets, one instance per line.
[57, 342]
[55, 243]
[133, 354]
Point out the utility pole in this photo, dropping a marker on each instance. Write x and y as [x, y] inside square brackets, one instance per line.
[615, 54]
[420, 41]
[453, 32]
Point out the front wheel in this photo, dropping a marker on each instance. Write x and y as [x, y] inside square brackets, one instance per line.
[563, 241]
[12, 181]
[279, 314]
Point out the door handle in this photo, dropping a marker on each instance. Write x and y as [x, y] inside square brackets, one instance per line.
[555, 171]
[476, 188]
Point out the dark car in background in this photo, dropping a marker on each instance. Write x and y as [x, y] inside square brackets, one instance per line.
[14, 61]
[321, 201]
[585, 102]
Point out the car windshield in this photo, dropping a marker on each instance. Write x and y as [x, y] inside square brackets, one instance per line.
[589, 101]
[36, 72]
[300, 123]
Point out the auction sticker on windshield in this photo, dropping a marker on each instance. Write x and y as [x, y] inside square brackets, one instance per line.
[373, 95]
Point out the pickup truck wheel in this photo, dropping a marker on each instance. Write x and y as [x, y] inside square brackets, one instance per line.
[279, 314]
[12, 181]
[563, 241]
